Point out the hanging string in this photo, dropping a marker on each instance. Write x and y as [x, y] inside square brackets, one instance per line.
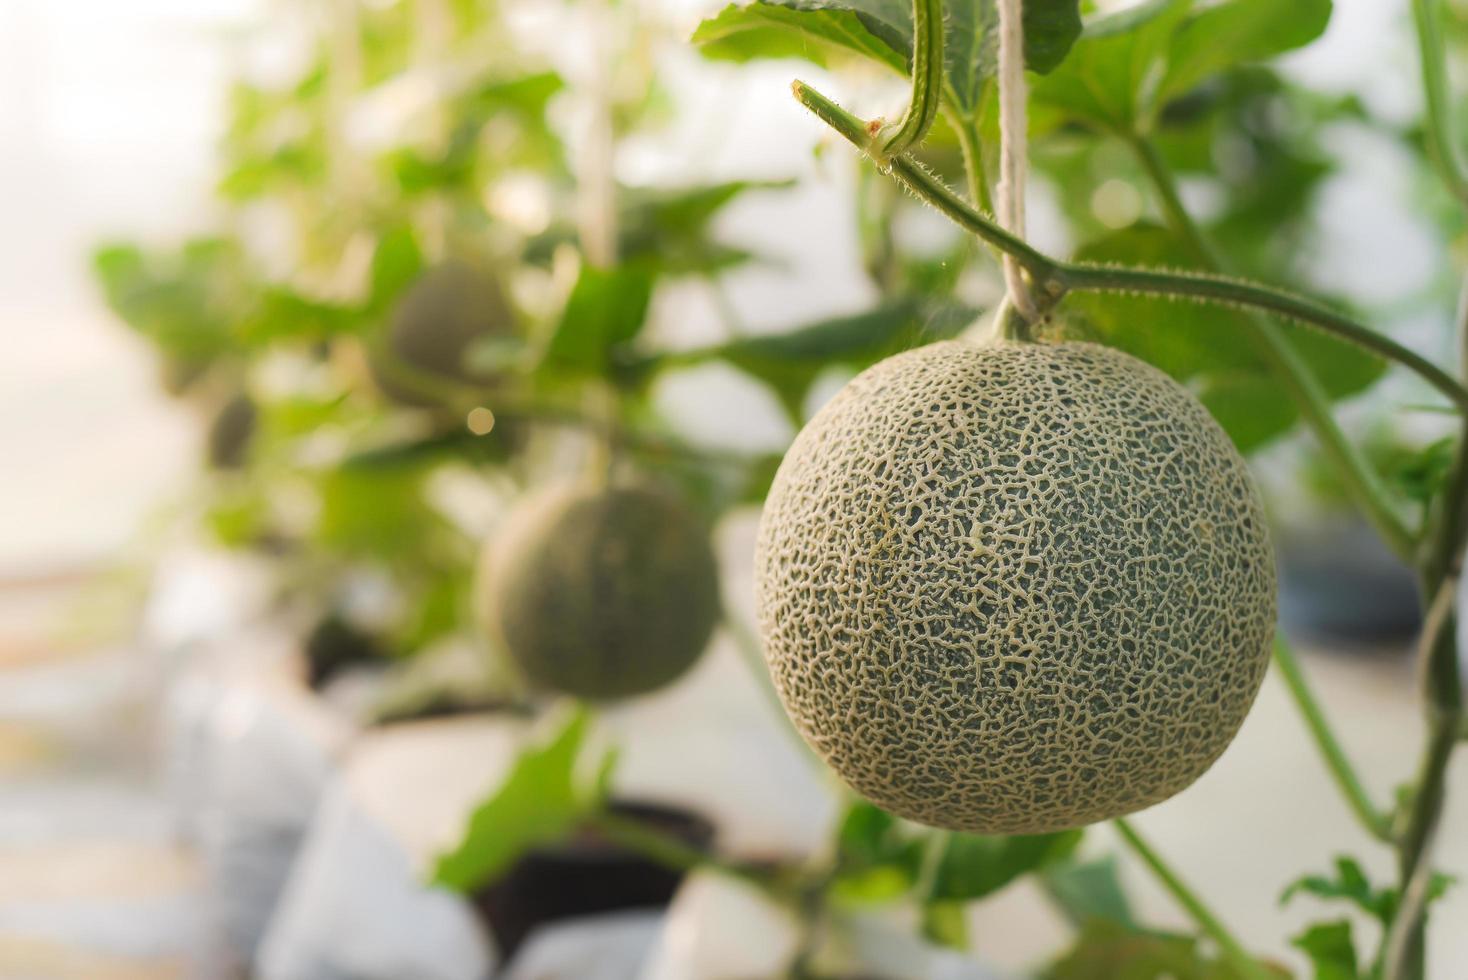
[1013, 158]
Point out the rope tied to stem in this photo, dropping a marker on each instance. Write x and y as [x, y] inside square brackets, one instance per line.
[1013, 158]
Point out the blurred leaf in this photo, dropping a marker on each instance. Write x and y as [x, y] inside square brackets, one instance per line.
[809, 31]
[1109, 951]
[882, 31]
[665, 229]
[869, 836]
[1421, 475]
[1331, 950]
[945, 924]
[1250, 407]
[526, 95]
[1222, 35]
[1087, 891]
[606, 308]
[1128, 65]
[974, 865]
[281, 313]
[539, 802]
[790, 362]
[397, 263]
[458, 444]
[1350, 884]
[1104, 81]
[376, 512]
[876, 857]
[187, 302]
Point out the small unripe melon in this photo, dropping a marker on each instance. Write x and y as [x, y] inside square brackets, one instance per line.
[231, 431]
[1015, 588]
[428, 338]
[603, 592]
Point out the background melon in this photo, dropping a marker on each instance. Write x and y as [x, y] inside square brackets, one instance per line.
[230, 433]
[1015, 588]
[603, 592]
[431, 331]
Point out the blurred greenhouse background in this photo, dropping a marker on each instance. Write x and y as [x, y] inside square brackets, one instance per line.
[184, 793]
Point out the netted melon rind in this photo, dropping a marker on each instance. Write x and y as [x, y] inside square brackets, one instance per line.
[1015, 588]
[603, 593]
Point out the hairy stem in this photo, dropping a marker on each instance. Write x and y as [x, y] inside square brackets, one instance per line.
[1361, 479]
[1341, 770]
[1056, 277]
[927, 78]
[1244, 964]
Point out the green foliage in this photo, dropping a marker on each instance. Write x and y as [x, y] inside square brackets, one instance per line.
[1213, 347]
[790, 362]
[1088, 890]
[1108, 951]
[606, 310]
[1331, 949]
[880, 858]
[974, 866]
[881, 30]
[539, 802]
[1349, 884]
[665, 231]
[1128, 66]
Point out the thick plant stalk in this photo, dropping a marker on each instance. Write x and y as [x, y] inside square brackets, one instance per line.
[1013, 161]
[1441, 565]
[1053, 277]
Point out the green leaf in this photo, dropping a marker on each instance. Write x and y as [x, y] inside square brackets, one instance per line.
[1249, 407]
[1237, 32]
[945, 924]
[974, 865]
[187, 301]
[1111, 73]
[1421, 474]
[790, 362]
[882, 31]
[1331, 950]
[396, 264]
[1210, 347]
[1127, 66]
[1349, 884]
[606, 308]
[1086, 891]
[665, 229]
[814, 33]
[1109, 951]
[375, 512]
[539, 802]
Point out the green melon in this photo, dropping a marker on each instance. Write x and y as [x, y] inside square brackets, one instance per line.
[1015, 588]
[603, 592]
[428, 338]
[231, 431]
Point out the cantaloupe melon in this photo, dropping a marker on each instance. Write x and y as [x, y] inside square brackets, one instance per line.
[427, 341]
[603, 592]
[1015, 588]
